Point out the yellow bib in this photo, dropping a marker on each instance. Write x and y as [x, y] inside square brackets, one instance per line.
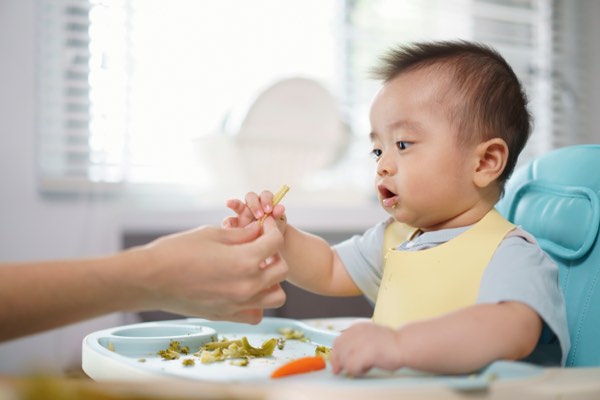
[428, 283]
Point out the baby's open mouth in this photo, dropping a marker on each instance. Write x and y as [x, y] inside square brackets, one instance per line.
[388, 198]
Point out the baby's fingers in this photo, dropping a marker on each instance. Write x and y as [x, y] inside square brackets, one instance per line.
[237, 206]
[279, 212]
[256, 204]
[266, 200]
[230, 222]
[244, 214]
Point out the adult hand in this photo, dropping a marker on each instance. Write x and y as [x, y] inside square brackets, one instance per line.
[216, 273]
[208, 272]
[253, 208]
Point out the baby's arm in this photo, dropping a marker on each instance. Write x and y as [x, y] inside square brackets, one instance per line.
[458, 342]
[313, 265]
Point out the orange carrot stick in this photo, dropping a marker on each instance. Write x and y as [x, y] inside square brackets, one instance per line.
[299, 366]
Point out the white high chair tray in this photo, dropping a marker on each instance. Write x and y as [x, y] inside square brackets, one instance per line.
[130, 352]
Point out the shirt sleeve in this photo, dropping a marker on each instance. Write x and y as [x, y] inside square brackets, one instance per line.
[361, 255]
[521, 271]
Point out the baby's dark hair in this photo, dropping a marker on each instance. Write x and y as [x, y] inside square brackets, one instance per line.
[484, 98]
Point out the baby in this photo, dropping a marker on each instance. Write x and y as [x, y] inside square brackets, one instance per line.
[465, 287]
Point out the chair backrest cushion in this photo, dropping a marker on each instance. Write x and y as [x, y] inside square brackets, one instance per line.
[556, 198]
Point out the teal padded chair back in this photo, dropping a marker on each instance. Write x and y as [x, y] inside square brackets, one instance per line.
[556, 198]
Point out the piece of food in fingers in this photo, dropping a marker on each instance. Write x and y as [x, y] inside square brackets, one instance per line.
[279, 195]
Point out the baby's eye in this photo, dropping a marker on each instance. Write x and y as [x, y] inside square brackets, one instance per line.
[376, 153]
[402, 145]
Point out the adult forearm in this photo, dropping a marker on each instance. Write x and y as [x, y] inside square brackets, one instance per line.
[206, 272]
[45, 295]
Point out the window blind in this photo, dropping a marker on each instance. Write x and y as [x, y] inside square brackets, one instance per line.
[156, 75]
[64, 154]
[575, 87]
[111, 114]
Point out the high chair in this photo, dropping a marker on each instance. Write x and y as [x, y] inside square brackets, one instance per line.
[556, 198]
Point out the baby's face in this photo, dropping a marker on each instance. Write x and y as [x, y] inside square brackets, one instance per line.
[424, 177]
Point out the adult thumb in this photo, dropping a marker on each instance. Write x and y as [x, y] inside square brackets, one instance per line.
[240, 235]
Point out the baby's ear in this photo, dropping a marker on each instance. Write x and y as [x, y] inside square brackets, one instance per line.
[492, 156]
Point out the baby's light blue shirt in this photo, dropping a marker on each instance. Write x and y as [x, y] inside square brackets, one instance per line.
[518, 271]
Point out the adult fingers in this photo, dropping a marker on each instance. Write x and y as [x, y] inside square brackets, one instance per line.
[254, 204]
[252, 310]
[270, 241]
[274, 273]
[238, 235]
[271, 297]
[270, 228]
[278, 211]
[249, 316]
[265, 279]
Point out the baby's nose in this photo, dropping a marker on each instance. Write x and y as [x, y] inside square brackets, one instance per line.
[385, 165]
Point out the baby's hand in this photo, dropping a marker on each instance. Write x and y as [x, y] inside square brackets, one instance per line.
[364, 346]
[243, 218]
[253, 209]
